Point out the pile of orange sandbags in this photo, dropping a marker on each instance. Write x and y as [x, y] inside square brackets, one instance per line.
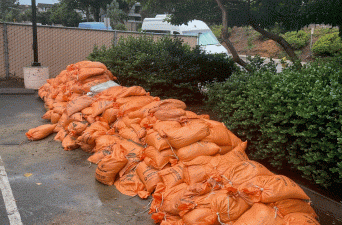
[195, 168]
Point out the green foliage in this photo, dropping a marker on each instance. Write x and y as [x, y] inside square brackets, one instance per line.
[216, 29]
[119, 26]
[327, 44]
[322, 31]
[297, 39]
[62, 14]
[290, 118]
[167, 68]
[117, 16]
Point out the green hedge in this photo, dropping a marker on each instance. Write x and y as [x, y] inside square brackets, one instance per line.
[327, 44]
[167, 68]
[297, 39]
[290, 118]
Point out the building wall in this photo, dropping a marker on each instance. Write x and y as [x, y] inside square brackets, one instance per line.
[57, 46]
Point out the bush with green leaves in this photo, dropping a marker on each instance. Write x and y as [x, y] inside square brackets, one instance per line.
[290, 118]
[297, 39]
[328, 44]
[167, 68]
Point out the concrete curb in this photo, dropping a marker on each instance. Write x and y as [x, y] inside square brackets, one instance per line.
[16, 91]
[324, 204]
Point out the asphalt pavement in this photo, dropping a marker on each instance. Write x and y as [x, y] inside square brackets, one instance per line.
[50, 185]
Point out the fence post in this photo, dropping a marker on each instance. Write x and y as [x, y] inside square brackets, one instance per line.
[115, 37]
[6, 53]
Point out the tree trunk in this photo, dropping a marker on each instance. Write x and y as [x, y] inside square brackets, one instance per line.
[97, 14]
[280, 40]
[224, 34]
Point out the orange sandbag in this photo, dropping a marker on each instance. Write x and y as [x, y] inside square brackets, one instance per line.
[267, 189]
[236, 155]
[100, 106]
[169, 114]
[92, 132]
[198, 169]
[161, 126]
[76, 128]
[188, 134]
[169, 104]
[40, 132]
[131, 185]
[244, 171]
[89, 64]
[133, 150]
[157, 159]
[85, 73]
[200, 216]
[148, 122]
[61, 135]
[77, 117]
[98, 156]
[140, 131]
[87, 111]
[201, 148]
[86, 147]
[144, 111]
[172, 176]
[62, 97]
[288, 206]
[148, 176]
[105, 141]
[69, 143]
[87, 86]
[228, 208]
[78, 104]
[55, 117]
[112, 92]
[59, 107]
[260, 214]
[155, 140]
[47, 115]
[128, 122]
[300, 219]
[103, 76]
[172, 198]
[109, 115]
[129, 133]
[218, 133]
[135, 104]
[166, 219]
[109, 166]
[132, 91]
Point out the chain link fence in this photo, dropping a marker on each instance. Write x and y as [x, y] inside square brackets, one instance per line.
[57, 46]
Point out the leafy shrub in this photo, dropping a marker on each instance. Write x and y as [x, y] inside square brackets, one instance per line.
[167, 68]
[290, 118]
[327, 44]
[297, 39]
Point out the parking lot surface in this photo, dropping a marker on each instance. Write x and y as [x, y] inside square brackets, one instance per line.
[50, 185]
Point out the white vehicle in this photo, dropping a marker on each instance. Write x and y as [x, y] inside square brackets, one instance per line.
[206, 39]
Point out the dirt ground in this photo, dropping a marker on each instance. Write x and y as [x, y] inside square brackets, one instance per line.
[264, 48]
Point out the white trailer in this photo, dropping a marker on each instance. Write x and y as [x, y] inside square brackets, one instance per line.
[206, 39]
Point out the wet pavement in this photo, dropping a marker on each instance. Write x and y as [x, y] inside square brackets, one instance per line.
[53, 186]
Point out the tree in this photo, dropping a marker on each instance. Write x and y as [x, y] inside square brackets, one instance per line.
[117, 16]
[322, 12]
[8, 10]
[259, 14]
[62, 14]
